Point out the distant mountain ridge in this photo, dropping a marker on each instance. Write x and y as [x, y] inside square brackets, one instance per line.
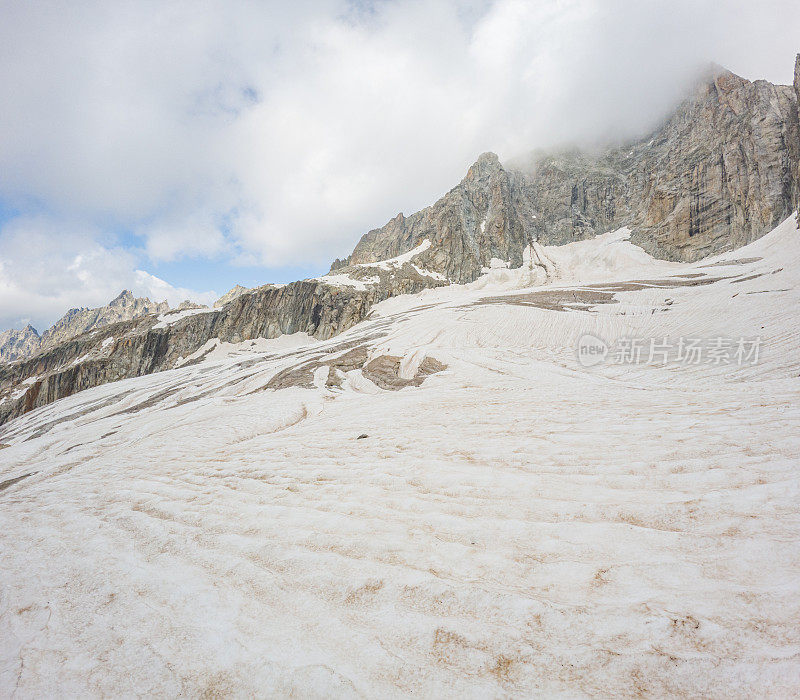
[15, 344]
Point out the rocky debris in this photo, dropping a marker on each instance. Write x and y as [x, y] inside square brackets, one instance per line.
[384, 371]
[303, 375]
[556, 299]
[10, 482]
[230, 295]
[587, 296]
[362, 436]
[720, 172]
[16, 344]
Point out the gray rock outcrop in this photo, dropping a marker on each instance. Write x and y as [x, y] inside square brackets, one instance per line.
[230, 295]
[77, 321]
[477, 220]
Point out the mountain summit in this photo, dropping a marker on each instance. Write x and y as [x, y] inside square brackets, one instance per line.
[720, 172]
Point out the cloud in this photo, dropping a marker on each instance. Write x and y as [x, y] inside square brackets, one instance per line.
[47, 267]
[194, 234]
[276, 133]
[152, 287]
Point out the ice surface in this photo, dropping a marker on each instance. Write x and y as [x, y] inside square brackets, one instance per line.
[517, 525]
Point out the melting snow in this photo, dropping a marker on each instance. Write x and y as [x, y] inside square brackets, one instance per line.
[214, 349]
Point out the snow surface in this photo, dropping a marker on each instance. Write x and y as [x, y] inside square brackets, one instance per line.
[171, 317]
[214, 349]
[344, 280]
[400, 260]
[518, 525]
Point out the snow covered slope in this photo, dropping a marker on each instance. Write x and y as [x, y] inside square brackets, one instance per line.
[444, 500]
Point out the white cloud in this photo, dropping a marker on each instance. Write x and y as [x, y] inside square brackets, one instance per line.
[152, 287]
[277, 133]
[47, 267]
[196, 234]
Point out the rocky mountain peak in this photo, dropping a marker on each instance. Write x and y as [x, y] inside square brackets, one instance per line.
[230, 295]
[724, 79]
[15, 344]
[124, 298]
[187, 304]
[487, 164]
[125, 306]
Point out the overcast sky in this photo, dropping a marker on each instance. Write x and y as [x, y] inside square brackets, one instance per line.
[177, 148]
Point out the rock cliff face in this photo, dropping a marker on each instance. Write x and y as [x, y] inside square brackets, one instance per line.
[474, 222]
[145, 344]
[721, 171]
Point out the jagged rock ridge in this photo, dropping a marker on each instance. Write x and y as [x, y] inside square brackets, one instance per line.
[15, 345]
[77, 321]
[719, 173]
[230, 295]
